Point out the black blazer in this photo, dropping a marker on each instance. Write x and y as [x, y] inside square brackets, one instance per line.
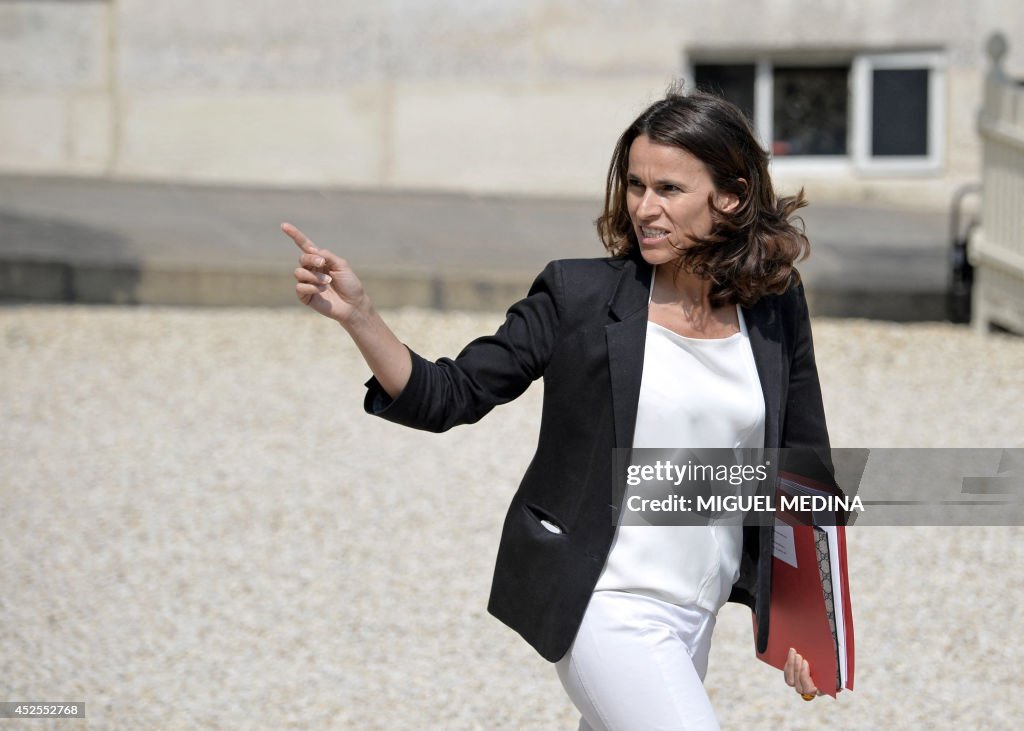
[582, 327]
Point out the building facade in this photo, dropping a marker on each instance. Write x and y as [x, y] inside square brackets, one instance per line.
[868, 101]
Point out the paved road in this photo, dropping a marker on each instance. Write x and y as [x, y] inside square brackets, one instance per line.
[66, 239]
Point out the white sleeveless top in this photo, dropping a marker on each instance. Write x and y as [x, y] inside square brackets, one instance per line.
[695, 393]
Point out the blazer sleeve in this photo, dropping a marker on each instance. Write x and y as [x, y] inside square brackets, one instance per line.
[804, 423]
[491, 370]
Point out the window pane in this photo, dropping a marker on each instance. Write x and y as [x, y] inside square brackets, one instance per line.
[734, 82]
[810, 110]
[899, 112]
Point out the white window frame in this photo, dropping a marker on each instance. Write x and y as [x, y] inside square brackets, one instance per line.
[861, 75]
[858, 158]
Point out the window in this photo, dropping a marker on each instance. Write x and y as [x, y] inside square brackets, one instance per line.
[735, 82]
[876, 112]
[809, 110]
[899, 112]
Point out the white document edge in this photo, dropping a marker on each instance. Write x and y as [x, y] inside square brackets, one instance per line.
[838, 595]
[784, 546]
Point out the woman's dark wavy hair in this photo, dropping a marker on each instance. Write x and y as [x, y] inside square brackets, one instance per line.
[751, 249]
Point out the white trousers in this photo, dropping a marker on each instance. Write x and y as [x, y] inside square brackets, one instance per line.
[638, 664]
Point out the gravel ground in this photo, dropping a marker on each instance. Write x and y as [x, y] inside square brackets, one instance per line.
[200, 529]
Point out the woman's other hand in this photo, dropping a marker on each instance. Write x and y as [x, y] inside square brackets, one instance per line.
[324, 281]
[797, 672]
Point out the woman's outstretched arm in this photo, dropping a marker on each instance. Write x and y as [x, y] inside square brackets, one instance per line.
[326, 283]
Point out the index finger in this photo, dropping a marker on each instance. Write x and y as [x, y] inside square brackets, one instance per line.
[300, 239]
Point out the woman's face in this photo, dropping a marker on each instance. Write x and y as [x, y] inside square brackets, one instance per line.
[667, 199]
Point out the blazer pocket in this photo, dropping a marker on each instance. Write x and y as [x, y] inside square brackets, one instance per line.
[545, 519]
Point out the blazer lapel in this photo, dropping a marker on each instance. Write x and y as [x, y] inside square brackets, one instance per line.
[765, 332]
[626, 337]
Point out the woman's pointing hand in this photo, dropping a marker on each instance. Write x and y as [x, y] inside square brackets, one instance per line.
[324, 281]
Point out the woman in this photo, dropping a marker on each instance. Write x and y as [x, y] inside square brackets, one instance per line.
[695, 329]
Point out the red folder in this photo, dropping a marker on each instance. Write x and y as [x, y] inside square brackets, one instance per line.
[806, 563]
